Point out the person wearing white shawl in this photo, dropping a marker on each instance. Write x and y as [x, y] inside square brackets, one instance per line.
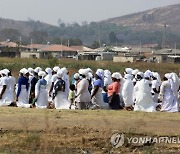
[83, 97]
[107, 82]
[22, 97]
[49, 83]
[6, 95]
[127, 92]
[59, 96]
[96, 94]
[155, 88]
[167, 94]
[66, 79]
[41, 93]
[143, 98]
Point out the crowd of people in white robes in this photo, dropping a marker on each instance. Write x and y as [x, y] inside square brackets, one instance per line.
[52, 88]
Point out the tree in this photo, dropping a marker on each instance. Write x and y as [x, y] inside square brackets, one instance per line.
[9, 33]
[39, 37]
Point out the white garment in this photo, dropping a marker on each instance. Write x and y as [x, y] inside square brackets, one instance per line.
[98, 99]
[8, 96]
[60, 101]
[83, 94]
[23, 99]
[143, 97]
[107, 82]
[49, 83]
[169, 101]
[127, 92]
[41, 95]
[66, 80]
[155, 85]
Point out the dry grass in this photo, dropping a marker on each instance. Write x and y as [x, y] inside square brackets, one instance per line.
[60, 131]
[15, 64]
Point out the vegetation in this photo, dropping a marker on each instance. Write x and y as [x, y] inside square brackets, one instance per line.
[60, 131]
[15, 64]
[93, 34]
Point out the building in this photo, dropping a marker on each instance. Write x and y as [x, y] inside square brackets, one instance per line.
[48, 51]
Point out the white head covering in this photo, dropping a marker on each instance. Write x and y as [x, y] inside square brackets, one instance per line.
[30, 70]
[37, 70]
[23, 70]
[5, 71]
[59, 74]
[107, 73]
[140, 74]
[89, 70]
[129, 70]
[56, 68]
[64, 70]
[128, 77]
[76, 75]
[48, 70]
[99, 73]
[134, 72]
[84, 72]
[42, 74]
[148, 74]
[116, 75]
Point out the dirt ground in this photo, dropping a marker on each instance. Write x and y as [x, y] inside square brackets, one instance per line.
[73, 131]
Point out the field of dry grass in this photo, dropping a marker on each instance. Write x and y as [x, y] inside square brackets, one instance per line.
[56, 131]
[62, 131]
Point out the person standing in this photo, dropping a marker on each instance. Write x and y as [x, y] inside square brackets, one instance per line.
[83, 97]
[113, 90]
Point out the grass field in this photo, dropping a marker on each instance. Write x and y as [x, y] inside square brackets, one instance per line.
[15, 64]
[61, 131]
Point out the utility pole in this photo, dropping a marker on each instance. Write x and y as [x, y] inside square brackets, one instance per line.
[99, 34]
[164, 37]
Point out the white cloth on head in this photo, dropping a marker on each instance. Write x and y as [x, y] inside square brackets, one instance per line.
[48, 70]
[129, 70]
[143, 97]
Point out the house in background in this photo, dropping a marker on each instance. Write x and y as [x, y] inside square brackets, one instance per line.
[48, 51]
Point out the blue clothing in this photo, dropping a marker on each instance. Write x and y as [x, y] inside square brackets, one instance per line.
[98, 83]
[22, 81]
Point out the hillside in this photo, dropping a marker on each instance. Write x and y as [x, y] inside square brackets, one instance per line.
[151, 19]
[146, 27]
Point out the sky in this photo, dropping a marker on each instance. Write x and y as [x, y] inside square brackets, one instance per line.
[70, 11]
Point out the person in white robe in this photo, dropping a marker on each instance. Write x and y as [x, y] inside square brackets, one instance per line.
[53, 79]
[22, 97]
[49, 82]
[83, 97]
[127, 92]
[155, 89]
[59, 96]
[167, 89]
[41, 93]
[6, 95]
[143, 98]
[66, 79]
[96, 94]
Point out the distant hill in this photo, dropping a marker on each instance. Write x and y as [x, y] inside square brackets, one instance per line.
[153, 19]
[146, 27]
